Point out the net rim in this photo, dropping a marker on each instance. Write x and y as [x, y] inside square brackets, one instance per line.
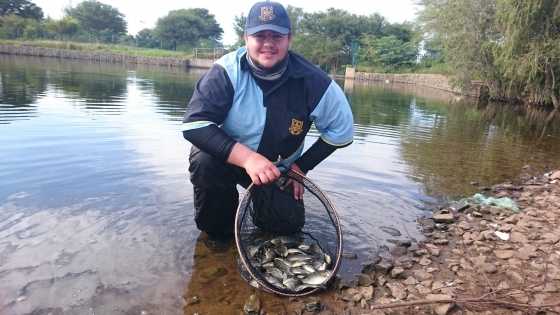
[337, 261]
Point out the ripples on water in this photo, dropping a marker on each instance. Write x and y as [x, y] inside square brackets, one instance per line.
[96, 209]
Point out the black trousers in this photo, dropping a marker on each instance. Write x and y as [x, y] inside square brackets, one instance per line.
[215, 192]
[216, 199]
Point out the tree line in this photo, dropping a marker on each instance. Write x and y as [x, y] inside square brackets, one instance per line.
[513, 46]
[93, 21]
[330, 39]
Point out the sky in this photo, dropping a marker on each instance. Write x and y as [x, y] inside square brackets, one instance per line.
[144, 14]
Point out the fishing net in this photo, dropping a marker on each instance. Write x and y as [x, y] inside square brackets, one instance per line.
[285, 246]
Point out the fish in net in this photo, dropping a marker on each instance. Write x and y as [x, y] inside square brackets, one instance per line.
[286, 246]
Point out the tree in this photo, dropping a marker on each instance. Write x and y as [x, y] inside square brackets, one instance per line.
[188, 27]
[14, 26]
[21, 8]
[530, 50]
[147, 38]
[102, 21]
[64, 28]
[389, 52]
[468, 32]
[239, 28]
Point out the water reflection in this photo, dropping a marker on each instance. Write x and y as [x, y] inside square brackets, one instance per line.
[96, 209]
[20, 86]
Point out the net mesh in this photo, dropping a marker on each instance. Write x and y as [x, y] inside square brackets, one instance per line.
[287, 247]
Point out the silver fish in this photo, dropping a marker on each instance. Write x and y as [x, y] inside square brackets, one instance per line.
[328, 259]
[318, 278]
[304, 247]
[281, 264]
[276, 273]
[296, 251]
[320, 265]
[299, 258]
[291, 283]
[308, 268]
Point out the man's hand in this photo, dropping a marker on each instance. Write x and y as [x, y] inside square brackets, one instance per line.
[259, 168]
[297, 186]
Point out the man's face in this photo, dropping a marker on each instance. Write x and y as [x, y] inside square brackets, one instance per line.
[267, 48]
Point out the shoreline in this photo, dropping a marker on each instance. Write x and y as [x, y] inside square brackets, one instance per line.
[105, 57]
[476, 259]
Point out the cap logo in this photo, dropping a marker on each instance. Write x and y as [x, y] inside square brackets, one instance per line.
[267, 14]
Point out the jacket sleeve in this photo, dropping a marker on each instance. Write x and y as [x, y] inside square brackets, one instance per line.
[207, 109]
[334, 121]
[333, 118]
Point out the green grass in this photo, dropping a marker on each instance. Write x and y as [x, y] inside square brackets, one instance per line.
[99, 47]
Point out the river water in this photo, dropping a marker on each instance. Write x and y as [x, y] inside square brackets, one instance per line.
[96, 213]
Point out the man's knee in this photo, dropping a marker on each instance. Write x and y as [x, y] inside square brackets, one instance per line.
[206, 170]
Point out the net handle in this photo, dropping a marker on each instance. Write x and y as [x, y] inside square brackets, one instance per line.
[302, 178]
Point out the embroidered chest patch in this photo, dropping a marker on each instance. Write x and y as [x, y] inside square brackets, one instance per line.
[296, 127]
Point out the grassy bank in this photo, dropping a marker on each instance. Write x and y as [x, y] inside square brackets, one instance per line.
[99, 47]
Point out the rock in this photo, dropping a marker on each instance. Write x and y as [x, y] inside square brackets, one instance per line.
[425, 261]
[443, 217]
[398, 251]
[363, 303]
[437, 285]
[551, 238]
[422, 275]
[381, 281]
[383, 266]
[489, 268]
[405, 243]
[193, 300]
[397, 272]
[313, 305]
[441, 241]
[464, 225]
[397, 290]
[252, 305]
[351, 295]
[432, 249]
[476, 214]
[512, 219]
[365, 280]
[527, 252]
[366, 292]
[421, 252]
[423, 289]
[504, 254]
[391, 231]
[443, 309]
[404, 262]
[555, 175]
[518, 237]
[410, 281]
[440, 309]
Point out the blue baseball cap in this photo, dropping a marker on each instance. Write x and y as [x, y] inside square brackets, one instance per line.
[267, 16]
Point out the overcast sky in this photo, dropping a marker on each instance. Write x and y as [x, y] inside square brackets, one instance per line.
[144, 14]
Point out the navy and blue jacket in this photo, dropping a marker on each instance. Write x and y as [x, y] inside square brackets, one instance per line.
[230, 105]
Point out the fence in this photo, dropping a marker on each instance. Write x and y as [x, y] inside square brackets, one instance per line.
[208, 53]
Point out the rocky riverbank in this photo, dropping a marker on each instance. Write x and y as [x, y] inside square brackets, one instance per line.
[476, 259]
